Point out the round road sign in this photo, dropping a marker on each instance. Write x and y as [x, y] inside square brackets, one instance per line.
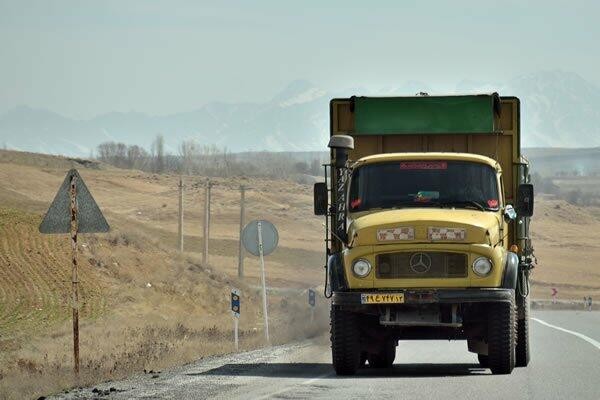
[269, 234]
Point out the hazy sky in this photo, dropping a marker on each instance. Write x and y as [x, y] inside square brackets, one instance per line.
[83, 58]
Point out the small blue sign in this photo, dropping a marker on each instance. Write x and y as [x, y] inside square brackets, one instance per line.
[235, 302]
[311, 297]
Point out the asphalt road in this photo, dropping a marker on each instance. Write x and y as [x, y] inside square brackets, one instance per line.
[565, 365]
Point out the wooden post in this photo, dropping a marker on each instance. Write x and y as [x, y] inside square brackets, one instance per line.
[75, 277]
[180, 230]
[206, 221]
[241, 247]
[65, 216]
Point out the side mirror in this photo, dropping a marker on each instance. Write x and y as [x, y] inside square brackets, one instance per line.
[320, 198]
[509, 213]
[525, 200]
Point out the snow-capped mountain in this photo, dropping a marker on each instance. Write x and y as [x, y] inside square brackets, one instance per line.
[559, 109]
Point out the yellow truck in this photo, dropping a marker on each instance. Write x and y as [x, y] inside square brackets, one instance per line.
[427, 203]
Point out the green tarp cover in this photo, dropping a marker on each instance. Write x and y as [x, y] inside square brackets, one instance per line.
[424, 114]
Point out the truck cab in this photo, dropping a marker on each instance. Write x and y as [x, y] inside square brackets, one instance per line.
[428, 212]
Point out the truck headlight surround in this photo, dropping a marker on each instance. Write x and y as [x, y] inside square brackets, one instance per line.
[361, 268]
[482, 266]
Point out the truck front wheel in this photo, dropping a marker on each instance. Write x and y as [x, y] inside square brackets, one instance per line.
[501, 337]
[345, 347]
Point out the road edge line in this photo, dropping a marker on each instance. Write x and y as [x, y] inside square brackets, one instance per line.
[579, 335]
[294, 386]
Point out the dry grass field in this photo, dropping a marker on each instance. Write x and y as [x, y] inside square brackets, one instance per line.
[567, 245]
[145, 306]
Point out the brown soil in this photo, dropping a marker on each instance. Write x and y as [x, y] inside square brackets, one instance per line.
[145, 306]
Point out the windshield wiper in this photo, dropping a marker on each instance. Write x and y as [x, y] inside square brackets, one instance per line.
[414, 204]
[443, 203]
[463, 203]
[400, 204]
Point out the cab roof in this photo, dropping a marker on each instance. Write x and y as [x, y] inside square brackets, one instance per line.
[445, 156]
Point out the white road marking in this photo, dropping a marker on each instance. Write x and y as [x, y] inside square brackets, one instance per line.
[288, 388]
[579, 335]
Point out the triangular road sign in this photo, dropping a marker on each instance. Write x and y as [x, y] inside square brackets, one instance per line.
[89, 216]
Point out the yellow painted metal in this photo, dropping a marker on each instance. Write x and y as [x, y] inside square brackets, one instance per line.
[481, 227]
[488, 235]
[483, 230]
[496, 254]
[446, 156]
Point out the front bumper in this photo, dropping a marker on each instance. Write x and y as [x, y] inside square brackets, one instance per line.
[432, 296]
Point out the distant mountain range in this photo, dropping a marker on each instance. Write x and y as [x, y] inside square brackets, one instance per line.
[559, 109]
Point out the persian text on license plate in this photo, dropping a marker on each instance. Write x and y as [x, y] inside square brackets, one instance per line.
[381, 298]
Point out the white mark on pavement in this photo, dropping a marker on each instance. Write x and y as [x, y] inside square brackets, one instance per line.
[579, 335]
[288, 388]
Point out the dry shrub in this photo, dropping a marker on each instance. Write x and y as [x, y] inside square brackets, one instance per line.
[119, 346]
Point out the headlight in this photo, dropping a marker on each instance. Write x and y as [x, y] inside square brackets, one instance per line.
[482, 266]
[361, 268]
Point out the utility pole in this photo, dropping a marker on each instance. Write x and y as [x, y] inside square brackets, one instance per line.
[180, 231]
[241, 248]
[206, 220]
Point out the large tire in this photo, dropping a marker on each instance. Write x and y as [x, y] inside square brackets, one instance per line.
[522, 351]
[385, 357]
[501, 337]
[345, 348]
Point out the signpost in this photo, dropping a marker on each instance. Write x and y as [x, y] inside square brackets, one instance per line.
[235, 311]
[74, 211]
[311, 303]
[241, 249]
[180, 220]
[260, 238]
[207, 189]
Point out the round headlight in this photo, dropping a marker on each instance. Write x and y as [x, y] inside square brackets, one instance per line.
[482, 266]
[361, 268]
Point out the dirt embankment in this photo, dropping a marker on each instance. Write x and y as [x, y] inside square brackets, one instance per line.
[145, 306]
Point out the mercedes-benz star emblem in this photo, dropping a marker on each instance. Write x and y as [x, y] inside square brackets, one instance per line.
[419, 263]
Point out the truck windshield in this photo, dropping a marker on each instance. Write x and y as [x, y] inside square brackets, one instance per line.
[424, 183]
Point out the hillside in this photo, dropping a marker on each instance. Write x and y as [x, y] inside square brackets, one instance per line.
[138, 293]
[145, 306]
[552, 161]
[559, 109]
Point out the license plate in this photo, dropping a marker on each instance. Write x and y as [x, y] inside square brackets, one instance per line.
[381, 298]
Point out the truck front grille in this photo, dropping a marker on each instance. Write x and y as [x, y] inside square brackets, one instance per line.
[421, 265]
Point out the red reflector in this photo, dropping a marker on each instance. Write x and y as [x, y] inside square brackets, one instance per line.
[426, 165]
[492, 203]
